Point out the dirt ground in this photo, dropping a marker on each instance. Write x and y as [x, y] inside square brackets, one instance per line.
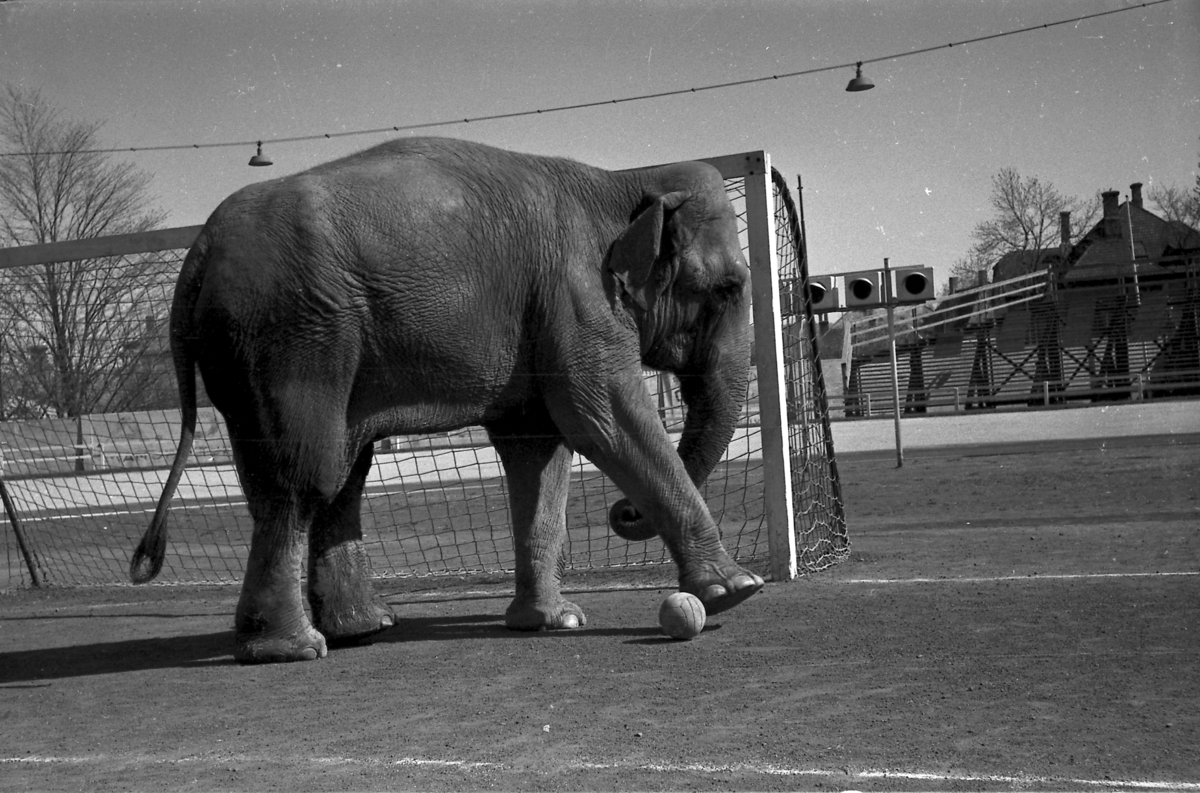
[1009, 618]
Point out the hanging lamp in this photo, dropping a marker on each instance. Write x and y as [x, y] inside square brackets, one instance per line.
[859, 83]
[259, 159]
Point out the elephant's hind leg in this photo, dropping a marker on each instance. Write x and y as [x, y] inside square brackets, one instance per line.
[291, 457]
[270, 623]
[344, 604]
[538, 469]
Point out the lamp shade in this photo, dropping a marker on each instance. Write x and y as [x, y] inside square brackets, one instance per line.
[822, 294]
[859, 83]
[913, 284]
[260, 159]
[864, 289]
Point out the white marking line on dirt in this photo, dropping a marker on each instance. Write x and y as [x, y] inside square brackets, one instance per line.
[1030, 577]
[1027, 780]
[419, 762]
[695, 768]
[242, 503]
[144, 511]
[922, 776]
[243, 758]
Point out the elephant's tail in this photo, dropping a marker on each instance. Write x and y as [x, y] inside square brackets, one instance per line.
[147, 560]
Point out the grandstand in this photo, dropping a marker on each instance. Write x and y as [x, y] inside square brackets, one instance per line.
[1113, 316]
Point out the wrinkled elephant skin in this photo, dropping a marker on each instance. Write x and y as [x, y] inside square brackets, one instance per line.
[426, 285]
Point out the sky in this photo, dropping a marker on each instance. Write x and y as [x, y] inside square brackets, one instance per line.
[902, 171]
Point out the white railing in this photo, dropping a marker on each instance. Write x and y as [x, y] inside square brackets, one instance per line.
[1138, 386]
[967, 305]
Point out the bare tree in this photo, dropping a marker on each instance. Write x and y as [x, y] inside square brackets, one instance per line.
[1181, 208]
[1176, 203]
[76, 333]
[1026, 222]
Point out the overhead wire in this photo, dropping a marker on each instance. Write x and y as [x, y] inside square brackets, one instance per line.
[596, 103]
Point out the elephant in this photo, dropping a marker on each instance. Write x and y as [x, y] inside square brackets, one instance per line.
[430, 284]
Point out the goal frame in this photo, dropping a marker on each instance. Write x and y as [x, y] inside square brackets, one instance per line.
[754, 168]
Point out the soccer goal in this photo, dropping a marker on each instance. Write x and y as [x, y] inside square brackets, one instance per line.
[79, 491]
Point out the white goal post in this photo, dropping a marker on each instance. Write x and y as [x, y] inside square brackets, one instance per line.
[754, 168]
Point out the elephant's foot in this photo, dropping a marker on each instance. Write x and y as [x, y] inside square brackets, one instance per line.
[355, 623]
[304, 645]
[720, 584]
[534, 614]
[344, 604]
[271, 626]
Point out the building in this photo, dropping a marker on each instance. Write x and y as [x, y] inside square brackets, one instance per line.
[1128, 241]
[1112, 315]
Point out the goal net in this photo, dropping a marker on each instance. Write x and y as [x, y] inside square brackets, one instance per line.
[89, 424]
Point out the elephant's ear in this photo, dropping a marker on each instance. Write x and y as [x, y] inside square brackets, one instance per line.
[637, 251]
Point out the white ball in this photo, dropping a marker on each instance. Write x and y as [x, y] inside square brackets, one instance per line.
[681, 616]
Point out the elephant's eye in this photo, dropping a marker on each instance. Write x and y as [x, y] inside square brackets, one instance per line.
[728, 289]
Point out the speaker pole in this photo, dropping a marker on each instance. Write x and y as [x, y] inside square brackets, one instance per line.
[890, 301]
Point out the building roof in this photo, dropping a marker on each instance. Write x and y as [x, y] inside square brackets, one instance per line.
[1015, 263]
[1105, 252]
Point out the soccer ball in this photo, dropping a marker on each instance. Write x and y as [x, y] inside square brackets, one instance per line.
[681, 616]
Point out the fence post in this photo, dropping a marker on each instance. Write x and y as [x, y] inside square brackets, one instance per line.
[1046, 393]
[867, 407]
[957, 401]
[34, 576]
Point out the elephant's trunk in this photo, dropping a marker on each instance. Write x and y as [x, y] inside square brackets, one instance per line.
[714, 403]
[714, 393]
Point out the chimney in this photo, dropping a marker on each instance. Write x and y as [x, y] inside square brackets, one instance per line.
[1111, 223]
[1110, 199]
[1135, 190]
[1064, 230]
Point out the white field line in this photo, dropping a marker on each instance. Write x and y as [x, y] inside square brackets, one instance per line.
[998, 578]
[765, 769]
[768, 769]
[221, 759]
[109, 513]
[149, 510]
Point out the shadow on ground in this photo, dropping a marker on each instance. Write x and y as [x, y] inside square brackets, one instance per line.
[468, 626]
[216, 649]
[102, 658]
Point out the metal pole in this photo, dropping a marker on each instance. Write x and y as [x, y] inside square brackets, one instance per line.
[1137, 289]
[35, 576]
[891, 319]
[79, 447]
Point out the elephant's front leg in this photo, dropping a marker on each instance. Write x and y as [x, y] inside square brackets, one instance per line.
[632, 448]
[538, 469]
[344, 603]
